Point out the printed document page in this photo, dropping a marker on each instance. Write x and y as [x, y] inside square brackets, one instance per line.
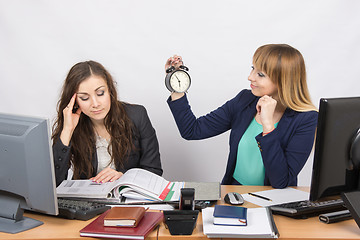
[85, 188]
[276, 196]
[145, 184]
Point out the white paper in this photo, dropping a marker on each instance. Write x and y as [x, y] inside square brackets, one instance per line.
[277, 196]
[161, 206]
[144, 182]
[84, 188]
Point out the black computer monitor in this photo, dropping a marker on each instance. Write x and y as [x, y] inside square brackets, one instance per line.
[27, 178]
[337, 148]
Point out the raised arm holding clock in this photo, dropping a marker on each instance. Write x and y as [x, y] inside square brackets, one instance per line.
[173, 63]
[272, 125]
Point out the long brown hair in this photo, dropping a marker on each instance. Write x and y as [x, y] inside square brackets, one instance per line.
[286, 68]
[83, 139]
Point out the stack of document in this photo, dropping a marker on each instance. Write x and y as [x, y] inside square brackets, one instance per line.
[260, 224]
[136, 183]
[137, 186]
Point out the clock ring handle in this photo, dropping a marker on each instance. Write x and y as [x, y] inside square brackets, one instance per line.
[184, 68]
[170, 69]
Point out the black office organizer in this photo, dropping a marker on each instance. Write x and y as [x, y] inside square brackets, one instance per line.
[352, 202]
[181, 222]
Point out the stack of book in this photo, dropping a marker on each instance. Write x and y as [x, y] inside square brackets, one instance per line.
[238, 222]
[124, 223]
[137, 185]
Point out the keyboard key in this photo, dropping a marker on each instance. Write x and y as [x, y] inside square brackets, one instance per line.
[305, 209]
[80, 209]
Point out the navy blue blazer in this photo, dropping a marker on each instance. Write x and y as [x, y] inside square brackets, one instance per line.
[284, 151]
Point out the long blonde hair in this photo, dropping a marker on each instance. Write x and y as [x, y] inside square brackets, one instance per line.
[286, 68]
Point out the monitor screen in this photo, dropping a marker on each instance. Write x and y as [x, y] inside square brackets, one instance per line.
[27, 178]
[335, 168]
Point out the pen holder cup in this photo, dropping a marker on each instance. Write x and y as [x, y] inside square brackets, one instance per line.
[181, 222]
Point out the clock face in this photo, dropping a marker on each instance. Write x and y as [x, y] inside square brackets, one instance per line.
[180, 81]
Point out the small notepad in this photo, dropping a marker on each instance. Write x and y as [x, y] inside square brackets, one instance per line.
[124, 216]
[230, 215]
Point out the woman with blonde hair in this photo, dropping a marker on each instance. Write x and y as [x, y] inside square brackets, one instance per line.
[272, 125]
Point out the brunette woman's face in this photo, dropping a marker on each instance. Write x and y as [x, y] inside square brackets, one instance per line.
[93, 98]
[261, 84]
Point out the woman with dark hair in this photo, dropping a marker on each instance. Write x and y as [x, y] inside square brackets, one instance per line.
[97, 135]
[272, 125]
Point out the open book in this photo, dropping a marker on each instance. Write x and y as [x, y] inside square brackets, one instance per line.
[136, 183]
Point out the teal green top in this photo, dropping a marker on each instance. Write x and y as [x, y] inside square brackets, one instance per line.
[249, 169]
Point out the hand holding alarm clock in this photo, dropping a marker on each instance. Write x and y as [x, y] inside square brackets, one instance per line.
[177, 78]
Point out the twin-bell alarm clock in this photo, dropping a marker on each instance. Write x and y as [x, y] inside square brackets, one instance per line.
[177, 80]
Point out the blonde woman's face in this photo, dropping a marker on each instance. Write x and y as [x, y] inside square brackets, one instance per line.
[93, 98]
[261, 84]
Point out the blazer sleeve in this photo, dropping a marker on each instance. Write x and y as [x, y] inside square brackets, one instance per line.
[149, 145]
[61, 154]
[209, 125]
[283, 163]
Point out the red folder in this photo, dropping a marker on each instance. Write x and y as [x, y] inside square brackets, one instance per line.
[97, 229]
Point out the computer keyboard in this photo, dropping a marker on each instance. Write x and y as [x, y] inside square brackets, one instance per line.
[305, 209]
[80, 209]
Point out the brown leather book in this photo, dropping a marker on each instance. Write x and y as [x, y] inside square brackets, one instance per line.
[124, 216]
[97, 229]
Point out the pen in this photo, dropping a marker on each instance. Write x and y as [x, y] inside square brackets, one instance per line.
[255, 195]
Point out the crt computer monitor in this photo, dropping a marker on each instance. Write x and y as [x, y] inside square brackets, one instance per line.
[27, 178]
[337, 148]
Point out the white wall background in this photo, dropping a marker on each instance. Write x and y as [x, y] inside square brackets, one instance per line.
[41, 40]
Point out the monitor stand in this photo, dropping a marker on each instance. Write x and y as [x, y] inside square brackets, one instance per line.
[11, 216]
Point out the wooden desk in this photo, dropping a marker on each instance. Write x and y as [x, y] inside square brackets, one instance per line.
[289, 229]
[292, 229]
[55, 228]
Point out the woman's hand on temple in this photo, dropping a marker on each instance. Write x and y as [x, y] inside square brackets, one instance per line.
[70, 121]
[107, 175]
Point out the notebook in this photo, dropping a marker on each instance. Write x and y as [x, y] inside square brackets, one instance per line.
[97, 229]
[230, 215]
[124, 216]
